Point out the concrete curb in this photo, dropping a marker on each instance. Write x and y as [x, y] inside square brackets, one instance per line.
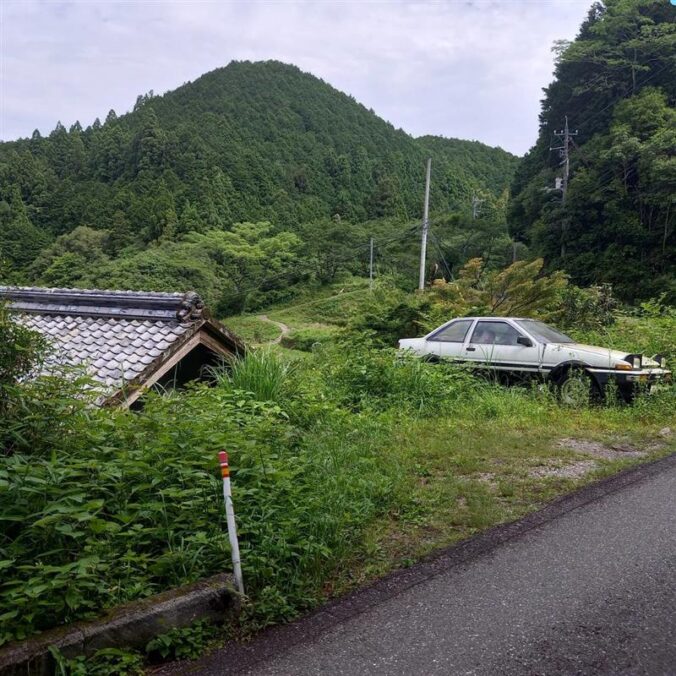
[129, 626]
[236, 658]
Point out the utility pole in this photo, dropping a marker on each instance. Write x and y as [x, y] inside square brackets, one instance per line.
[371, 267]
[476, 207]
[425, 228]
[565, 135]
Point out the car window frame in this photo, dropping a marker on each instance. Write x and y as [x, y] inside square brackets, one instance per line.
[497, 321]
[436, 332]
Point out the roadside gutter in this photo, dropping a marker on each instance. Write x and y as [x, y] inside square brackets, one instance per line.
[129, 626]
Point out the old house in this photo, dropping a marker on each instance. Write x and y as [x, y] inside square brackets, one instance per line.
[127, 341]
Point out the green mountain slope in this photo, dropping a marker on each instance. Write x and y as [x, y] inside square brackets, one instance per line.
[617, 84]
[247, 142]
[250, 142]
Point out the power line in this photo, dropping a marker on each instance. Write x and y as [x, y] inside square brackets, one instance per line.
[614, 100]
[565, 135]
[441, 254]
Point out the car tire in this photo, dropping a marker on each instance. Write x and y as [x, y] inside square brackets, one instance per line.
[576, 389]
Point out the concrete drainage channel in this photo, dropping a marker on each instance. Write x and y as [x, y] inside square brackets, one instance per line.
[128, 626]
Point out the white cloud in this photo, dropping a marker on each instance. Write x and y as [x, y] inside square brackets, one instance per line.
[458, 68]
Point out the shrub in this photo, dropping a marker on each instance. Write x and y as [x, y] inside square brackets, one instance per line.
[584, 309]
[359, 376]
[124, 504]
[520, 289]
[20, 349]
[388, 314]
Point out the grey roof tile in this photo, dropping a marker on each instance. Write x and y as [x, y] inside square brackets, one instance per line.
[115, 335]
[112, 351]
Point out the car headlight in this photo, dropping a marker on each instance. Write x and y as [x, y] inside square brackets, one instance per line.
[661, 360]
[636, 360]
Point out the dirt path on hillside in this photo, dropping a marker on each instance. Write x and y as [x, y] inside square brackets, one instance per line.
[282, 327]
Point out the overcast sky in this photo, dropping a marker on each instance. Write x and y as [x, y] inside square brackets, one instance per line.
[470, 69]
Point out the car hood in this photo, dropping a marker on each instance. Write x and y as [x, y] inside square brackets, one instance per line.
[595, 353]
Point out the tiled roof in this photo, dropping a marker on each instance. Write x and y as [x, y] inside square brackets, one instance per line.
[116, 335]
[114, 351]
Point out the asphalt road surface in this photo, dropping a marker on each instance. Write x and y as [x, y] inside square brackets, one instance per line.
[586, 586]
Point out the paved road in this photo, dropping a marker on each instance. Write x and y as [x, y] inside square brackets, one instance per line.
[588, 588]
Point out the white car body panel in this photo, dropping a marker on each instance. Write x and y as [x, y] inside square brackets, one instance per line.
[541, 357]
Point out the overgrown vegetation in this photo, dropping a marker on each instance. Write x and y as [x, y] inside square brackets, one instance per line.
[350, 461]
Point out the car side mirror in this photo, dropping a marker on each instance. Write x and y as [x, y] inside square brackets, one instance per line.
[526, 342]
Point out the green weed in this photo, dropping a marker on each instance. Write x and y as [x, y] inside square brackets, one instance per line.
[260, 372]
[180, 644]
[106, 662]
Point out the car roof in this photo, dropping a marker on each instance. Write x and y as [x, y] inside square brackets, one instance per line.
[490, 318]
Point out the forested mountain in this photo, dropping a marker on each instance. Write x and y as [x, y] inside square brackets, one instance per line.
[125, 201]
[616, 83]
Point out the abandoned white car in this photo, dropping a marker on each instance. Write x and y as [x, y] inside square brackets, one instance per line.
[516, 349]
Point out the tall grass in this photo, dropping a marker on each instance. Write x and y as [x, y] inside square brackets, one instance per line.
[260, 372]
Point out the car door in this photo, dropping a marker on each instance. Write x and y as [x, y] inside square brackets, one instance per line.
[494, 342]
[447, 342]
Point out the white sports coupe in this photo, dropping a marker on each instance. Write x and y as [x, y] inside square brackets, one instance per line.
[518, 349]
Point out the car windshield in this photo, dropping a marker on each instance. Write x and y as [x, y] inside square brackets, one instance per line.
[544, 333]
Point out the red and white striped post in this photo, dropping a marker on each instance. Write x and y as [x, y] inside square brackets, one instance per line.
[230, 517]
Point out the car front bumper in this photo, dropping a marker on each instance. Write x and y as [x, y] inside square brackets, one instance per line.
[647, 376]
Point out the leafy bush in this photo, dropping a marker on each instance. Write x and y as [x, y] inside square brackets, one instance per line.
[106, 662]
[584, 309]
[121, 505]
[520, 289]
[20, 348]
[360, 377]
[389, 314]
[180, 644]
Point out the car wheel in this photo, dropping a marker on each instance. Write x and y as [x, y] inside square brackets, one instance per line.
[576, 389]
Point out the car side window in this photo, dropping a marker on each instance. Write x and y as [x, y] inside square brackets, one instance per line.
[453, 333]
[495, 333]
